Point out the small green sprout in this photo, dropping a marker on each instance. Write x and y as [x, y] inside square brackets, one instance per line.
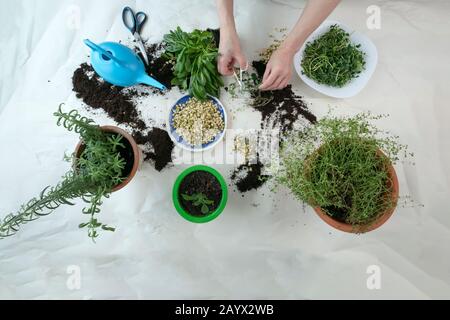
[199, 199]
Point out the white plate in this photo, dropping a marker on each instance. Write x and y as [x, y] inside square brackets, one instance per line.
[354, 86]
[178, 139]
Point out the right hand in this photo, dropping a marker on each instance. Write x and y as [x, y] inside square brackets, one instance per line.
[230, 55]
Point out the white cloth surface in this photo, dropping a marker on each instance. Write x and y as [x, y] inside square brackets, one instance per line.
[264, 245]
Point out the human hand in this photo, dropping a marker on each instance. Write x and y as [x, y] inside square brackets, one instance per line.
[279, 70]
[230, 54]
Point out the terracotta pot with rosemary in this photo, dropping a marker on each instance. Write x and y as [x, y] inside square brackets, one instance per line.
[343, 168]
[105, 161]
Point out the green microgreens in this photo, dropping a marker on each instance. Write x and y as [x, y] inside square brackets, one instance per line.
[332, 59]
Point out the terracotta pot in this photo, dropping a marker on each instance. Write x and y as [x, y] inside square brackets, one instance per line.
[136, 152]
[372, 225]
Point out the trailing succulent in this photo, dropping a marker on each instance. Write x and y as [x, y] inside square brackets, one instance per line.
[98, 170]
[195, 57]
[336, 165]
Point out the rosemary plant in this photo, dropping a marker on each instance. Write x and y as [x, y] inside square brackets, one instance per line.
[98, 170]
[335, 165]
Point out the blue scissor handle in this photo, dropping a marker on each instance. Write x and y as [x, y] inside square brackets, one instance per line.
[134, 22]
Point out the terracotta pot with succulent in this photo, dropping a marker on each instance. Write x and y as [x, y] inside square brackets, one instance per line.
[343, 168]
[106, 160]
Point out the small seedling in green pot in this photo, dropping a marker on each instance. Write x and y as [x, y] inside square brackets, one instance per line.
[199, 199]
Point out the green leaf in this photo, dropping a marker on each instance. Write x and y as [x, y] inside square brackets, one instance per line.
[187, 197]
[106, 228]
[205, 209]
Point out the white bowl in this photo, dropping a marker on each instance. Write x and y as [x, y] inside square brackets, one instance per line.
[179, 140]
[355, 85]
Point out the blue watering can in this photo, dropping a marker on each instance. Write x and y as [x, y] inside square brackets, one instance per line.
[119, 65]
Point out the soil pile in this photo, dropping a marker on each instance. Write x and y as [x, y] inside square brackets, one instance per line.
[159, 67]
[249, 177]
[118, 104]
[158, 147]
[284, 108]
[98, 94]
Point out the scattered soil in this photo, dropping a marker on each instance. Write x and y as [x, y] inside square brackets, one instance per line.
[283, 110]
[336, 213]
[159, 67]
[118, 104]
[216, 35]
[159, 146]
[249, 177]
[285, 107]
[98, 94]
[200, 182]
[128, 155]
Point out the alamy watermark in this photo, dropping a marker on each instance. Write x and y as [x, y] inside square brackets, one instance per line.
[373, 22]
[374, 280]
[73, 281]
[73, 17]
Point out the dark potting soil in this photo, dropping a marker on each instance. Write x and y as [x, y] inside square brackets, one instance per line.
[284, 108]
[249, 177]
[200, 182]
[159, 67]
[118, 104]
[336, 213]
[97, 94]
[160, 144]
[216, 36]
[126, 154]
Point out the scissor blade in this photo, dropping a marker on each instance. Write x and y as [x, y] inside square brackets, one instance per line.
[141, 47]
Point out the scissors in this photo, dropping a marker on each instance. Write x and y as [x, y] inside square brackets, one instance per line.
[134, 23]
[239, 78]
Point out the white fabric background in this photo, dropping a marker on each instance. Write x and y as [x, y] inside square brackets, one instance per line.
[273, 250]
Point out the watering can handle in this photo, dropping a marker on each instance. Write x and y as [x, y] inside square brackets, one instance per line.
[99, 49]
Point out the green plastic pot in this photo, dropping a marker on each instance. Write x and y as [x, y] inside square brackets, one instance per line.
[213, 215]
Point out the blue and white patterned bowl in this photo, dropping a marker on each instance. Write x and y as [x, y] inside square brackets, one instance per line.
[179, 140]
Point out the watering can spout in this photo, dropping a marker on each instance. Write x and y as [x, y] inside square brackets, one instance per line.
[119, 65]
[146, 79]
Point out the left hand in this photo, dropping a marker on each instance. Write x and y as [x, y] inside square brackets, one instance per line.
[279, 70]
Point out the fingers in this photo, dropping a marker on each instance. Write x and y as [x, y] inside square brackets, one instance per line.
[268, 79]
[275, 78]
[266, 73]
[283, 84]
[242, 61]
[225, 65]
[274, 83]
